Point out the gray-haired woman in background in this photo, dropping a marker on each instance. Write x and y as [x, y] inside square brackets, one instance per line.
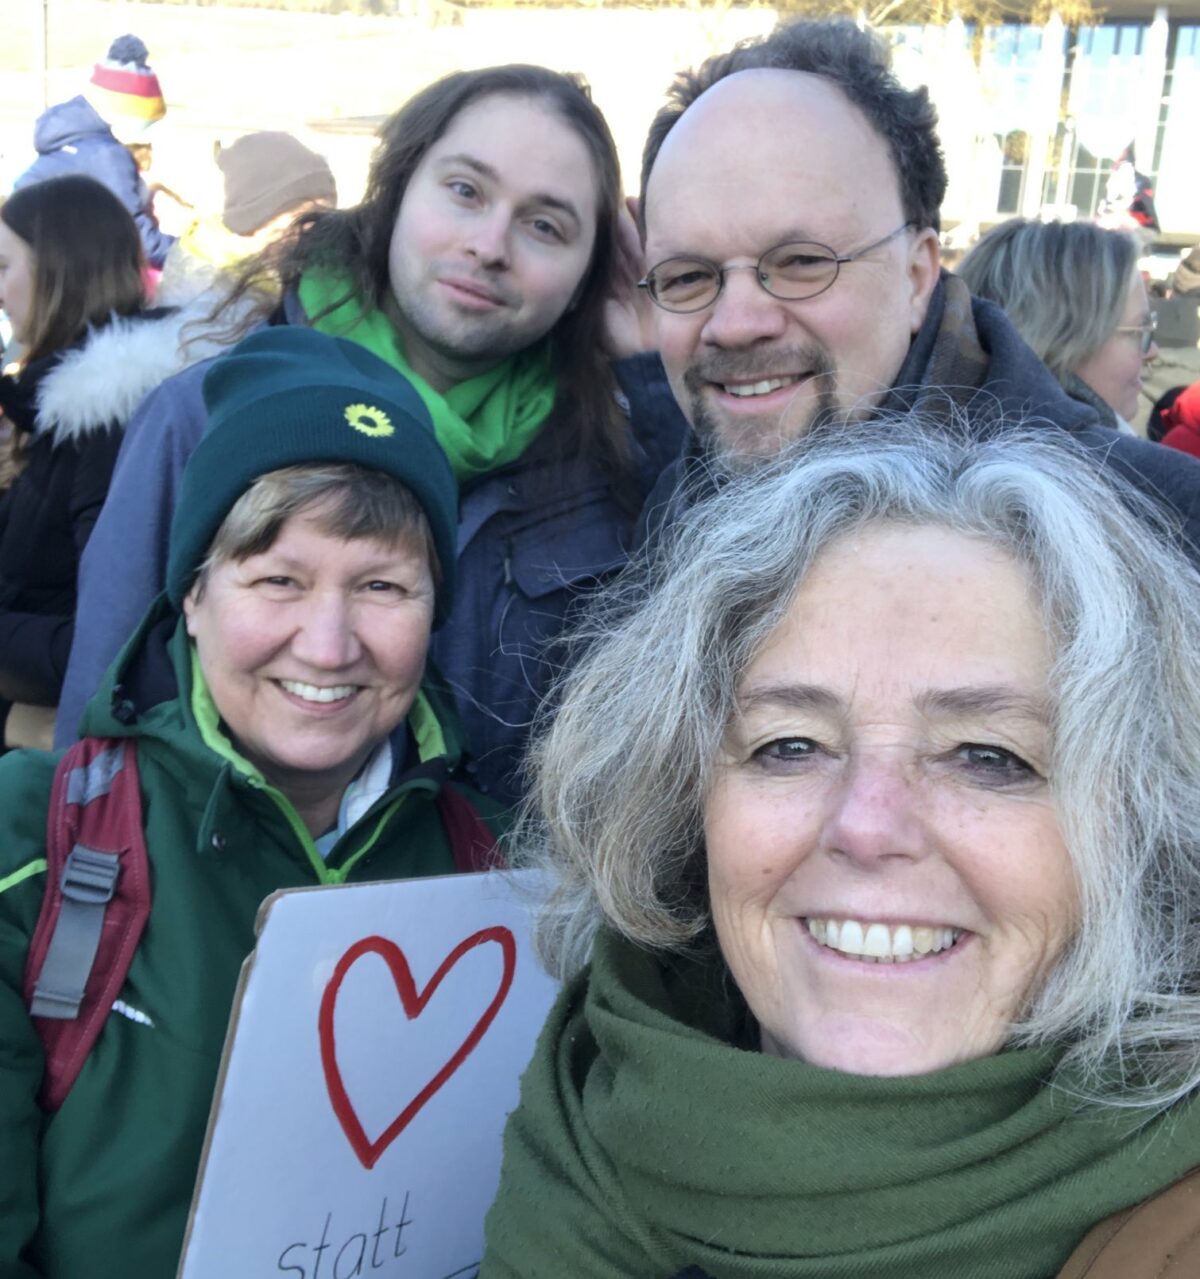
[1074, 293]
[881, 792]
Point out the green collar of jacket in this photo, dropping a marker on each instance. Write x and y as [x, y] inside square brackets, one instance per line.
[422, 723]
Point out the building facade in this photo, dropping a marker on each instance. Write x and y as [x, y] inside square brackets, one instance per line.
[1035, 118]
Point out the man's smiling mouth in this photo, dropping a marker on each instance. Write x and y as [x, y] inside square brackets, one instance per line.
[764, 387]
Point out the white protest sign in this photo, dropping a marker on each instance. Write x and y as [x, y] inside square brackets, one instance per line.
[373, 1056]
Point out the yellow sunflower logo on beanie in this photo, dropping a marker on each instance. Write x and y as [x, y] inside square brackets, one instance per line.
[369, 420]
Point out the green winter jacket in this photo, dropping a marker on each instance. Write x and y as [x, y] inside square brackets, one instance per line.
[102, 1188]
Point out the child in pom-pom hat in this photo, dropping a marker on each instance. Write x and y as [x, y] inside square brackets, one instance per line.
[86, 134]
[125, 91]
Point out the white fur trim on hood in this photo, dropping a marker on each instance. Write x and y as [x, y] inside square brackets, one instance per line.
[104, 380]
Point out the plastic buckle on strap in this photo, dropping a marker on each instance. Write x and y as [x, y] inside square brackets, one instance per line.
[90, 877]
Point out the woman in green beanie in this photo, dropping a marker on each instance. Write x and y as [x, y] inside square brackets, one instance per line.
[283, 737]
[875, 808]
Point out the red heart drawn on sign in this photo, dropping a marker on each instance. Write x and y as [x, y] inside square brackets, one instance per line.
[414, 1002]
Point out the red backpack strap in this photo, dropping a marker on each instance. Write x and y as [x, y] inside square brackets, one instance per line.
[472, 843]
[95, 906]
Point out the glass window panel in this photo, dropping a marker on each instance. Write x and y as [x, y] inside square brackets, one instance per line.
[1108, 88]
[1009, 199]
[1085, 192]
[1177, 190]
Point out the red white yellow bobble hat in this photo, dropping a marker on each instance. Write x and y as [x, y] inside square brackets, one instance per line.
[124, 90]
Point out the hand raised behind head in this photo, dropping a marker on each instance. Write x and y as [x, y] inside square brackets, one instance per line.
[628, 311]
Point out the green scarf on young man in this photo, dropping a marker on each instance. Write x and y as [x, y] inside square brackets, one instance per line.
[483, 423]
[653, 1136]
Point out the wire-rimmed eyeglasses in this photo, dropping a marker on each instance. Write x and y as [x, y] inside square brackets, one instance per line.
[1146, 332]
[792, 271]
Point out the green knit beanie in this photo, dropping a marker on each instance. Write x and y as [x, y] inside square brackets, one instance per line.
[288, 396]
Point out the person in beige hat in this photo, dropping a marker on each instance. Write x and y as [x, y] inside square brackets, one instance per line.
[270, 178]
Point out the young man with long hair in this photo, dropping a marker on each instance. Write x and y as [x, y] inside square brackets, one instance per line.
[478, 263]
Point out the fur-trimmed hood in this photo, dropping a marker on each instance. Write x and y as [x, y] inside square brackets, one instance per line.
[102, 381]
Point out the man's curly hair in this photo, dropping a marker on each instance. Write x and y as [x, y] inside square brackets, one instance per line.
[856, 61]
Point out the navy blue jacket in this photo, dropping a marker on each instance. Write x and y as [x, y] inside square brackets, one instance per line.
[73, 138]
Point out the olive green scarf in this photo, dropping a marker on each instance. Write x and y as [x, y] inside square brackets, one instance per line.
[483, 423]
[647, 1142]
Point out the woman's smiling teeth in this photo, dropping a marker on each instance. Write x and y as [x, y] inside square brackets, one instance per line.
[314, 693]
[880, 943]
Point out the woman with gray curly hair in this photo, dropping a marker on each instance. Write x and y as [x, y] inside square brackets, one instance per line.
[875, 803]
[1074, 293]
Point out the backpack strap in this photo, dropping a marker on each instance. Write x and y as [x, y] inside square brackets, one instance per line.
[472, 843]
[96, 904]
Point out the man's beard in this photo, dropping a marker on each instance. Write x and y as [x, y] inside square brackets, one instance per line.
[474, 338]
[742, 449]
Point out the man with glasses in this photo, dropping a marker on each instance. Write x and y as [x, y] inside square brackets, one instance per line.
[789, 211]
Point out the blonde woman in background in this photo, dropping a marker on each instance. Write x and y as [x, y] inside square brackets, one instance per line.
[1074, 293]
